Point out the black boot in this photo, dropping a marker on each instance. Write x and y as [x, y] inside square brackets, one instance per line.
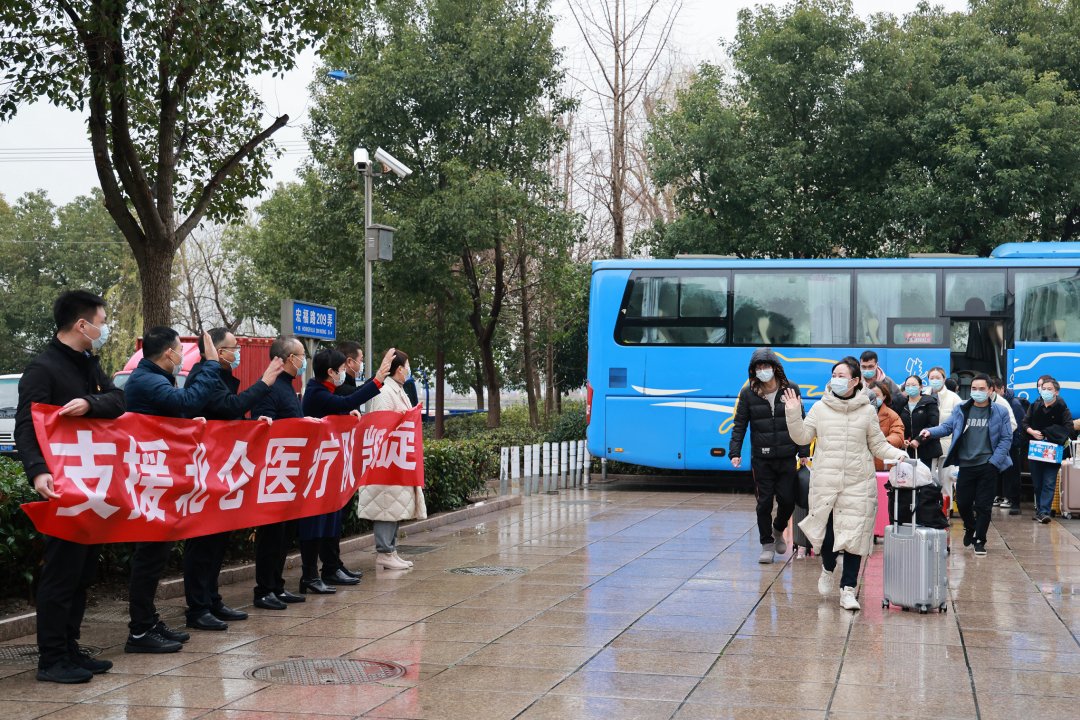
[316, 585]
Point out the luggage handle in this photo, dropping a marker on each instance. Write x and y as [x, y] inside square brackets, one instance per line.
[896, 497]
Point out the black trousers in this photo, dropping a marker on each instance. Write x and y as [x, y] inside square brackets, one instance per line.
[147, 564]
[774, 479]
[271, 548]
[327, 549]
[1010, 479]
[850, 575]
[68, 570]
[975, 487]
[202, 565]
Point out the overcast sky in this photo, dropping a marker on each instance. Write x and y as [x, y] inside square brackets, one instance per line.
[40, 131]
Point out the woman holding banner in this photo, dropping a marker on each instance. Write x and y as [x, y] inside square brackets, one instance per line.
[319, 534]
[387, 505]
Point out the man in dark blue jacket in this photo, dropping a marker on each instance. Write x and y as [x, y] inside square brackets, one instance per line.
[982, 436]
[1009, 486]
[152, 390]
[204, 555]
[66, 373]
[271, 541]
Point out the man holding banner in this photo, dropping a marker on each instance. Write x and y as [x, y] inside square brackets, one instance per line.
[152, 390]
[66, 373]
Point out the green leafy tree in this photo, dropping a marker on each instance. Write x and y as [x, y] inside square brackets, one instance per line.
[176, 128]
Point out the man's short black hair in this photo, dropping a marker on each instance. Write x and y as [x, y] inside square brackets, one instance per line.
[217, 336]
[349, 348]
[324, 360]
[996, 382]
[867, 356]
[984, 377]
[74, 305]
[157, 340]
[282, 347]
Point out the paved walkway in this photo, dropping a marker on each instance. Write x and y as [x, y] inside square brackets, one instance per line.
[633, 605]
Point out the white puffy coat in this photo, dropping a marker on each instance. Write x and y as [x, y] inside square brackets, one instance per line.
[842, 480]
[391, 503]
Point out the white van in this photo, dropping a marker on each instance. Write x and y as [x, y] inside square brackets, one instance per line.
[9, 400]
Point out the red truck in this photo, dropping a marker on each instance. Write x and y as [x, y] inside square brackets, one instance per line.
[254, 357]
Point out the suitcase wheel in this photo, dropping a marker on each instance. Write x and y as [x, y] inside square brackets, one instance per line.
[923, 610]
[884, 603]
[944, 608]
[1067, 516]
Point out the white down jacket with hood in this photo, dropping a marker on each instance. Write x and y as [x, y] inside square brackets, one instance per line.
[842, 479]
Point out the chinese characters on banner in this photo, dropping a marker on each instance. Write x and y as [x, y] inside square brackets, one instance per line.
[146, 478]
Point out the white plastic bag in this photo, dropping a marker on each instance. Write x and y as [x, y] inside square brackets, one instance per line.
[910, 474]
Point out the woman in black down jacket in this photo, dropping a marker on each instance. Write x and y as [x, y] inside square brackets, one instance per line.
[918, 412]
[774, 454]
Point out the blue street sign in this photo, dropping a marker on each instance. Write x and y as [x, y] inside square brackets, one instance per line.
[308, 320]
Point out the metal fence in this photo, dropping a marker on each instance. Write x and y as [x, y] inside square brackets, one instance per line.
[547, 467]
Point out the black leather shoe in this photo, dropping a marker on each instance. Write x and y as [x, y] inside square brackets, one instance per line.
[340, 577]
[86, 661]
[287, 597]
[64, 671]
[316, 586]
[169, 634]
[351, 573]
[207, 621]
[151, 642]
[224, 612]
[269, 601]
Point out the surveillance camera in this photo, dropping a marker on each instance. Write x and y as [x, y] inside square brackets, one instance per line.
[360, 159]
[395, 165]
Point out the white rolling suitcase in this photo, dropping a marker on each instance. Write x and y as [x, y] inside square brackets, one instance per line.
[915, 565]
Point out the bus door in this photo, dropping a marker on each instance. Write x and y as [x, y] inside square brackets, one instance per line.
[975, 306]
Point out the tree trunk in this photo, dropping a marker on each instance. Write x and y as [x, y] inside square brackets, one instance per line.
[491, 377]
[526, 342]
[478, 385]
[549, 372]
[155, 261]
[440, 391]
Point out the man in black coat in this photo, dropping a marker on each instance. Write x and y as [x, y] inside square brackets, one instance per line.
[271, 541]
[66, 373]
[152, 390]
[774, 455]
[354, 367]
[204, 555]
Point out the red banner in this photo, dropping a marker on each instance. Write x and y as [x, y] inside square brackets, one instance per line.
[148, 478]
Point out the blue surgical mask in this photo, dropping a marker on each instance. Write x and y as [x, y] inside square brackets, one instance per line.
[103, 336]
[979, 396]
[764, 375]
[937, 384]
[178, 367]
[839, 386]
[1047, 396]
[869, 374]
[236, 359]
[912, 390]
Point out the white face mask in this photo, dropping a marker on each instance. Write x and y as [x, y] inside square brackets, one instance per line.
[764, 375]
[103, 336]
[339, 379]
[839, 385]
[178, 367]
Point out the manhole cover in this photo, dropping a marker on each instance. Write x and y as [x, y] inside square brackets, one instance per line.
[326, 671]
[118, 612]
[488, 570]
[28, 654]
[417, 549]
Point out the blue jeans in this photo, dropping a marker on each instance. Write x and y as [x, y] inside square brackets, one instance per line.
[1044, 481]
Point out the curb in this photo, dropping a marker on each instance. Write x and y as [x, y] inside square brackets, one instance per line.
[26, 624]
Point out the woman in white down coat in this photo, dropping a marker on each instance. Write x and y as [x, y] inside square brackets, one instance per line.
[843, 491]
[387, 505]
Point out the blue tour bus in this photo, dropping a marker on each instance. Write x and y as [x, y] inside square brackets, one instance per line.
[670, 340]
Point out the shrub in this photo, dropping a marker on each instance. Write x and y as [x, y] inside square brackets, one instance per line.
[570, 425]
[20, 544]
[454, 470]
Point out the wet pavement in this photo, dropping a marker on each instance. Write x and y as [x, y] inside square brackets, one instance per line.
[622, 604]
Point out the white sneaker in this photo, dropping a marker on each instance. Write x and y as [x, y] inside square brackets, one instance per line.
[388, 561]
[779, 545]
[401, 559]
[825, 582]
[766, 555]
[848, 601]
